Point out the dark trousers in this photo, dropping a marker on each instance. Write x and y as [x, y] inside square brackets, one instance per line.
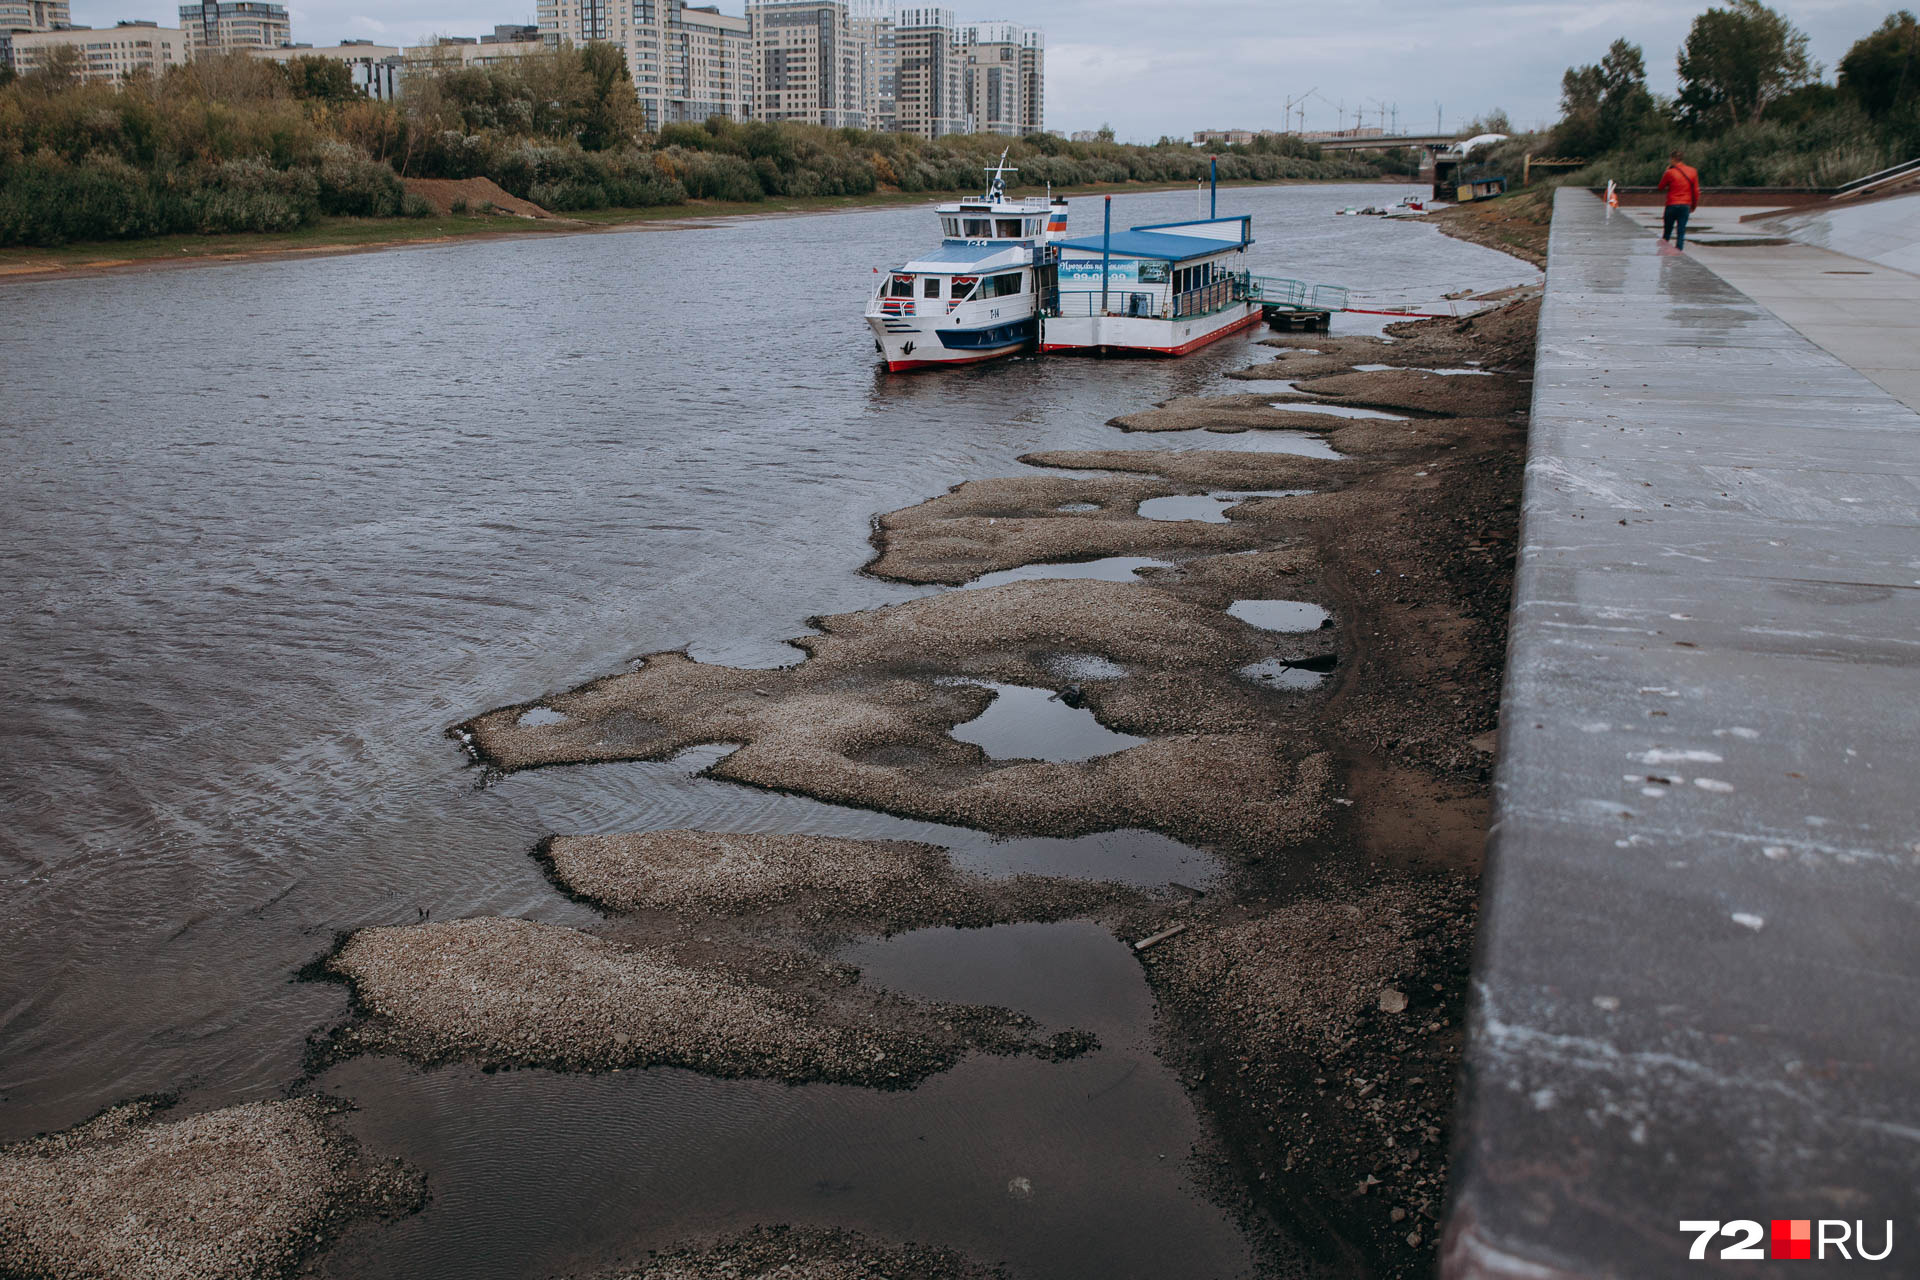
[1676, 225]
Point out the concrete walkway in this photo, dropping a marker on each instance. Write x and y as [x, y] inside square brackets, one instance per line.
[1698, 990]
[1866, 314]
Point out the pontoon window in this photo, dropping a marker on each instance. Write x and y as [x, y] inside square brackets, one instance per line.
[1009, 228]
[930, 286]
[979, 228]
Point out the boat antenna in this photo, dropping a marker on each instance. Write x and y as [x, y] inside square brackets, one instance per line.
[997, 184]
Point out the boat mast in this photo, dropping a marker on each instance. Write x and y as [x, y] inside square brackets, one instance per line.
[997, 183]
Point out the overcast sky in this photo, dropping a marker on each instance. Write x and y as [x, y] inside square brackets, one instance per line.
[1152, 67]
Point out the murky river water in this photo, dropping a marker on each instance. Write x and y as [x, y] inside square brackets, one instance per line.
[269, 528]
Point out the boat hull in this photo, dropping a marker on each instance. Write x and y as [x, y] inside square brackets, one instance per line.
[1132, 335]
[907, 346]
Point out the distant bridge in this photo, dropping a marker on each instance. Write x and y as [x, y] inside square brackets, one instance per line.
[1382, 143]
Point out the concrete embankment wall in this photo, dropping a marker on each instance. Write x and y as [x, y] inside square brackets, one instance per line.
[1883, 231]
[1695, 997]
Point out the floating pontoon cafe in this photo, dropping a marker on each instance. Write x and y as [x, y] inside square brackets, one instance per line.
[1005, 279]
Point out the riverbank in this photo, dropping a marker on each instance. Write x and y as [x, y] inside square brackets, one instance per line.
[1515, 223]
[1344, 683]
[329, 237]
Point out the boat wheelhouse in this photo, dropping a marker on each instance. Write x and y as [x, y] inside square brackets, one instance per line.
[976, 297]
[1161, 289]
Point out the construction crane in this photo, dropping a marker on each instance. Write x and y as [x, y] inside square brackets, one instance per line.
[1298, 102]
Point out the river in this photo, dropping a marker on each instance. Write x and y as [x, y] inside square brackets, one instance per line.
[271, 527]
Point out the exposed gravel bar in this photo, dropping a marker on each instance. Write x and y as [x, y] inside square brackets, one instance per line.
[790, 1253]
[866, 720]
[248, 1191]
[505, 993]
[867, 886]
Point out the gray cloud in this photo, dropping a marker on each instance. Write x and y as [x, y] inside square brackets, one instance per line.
[1150, 67]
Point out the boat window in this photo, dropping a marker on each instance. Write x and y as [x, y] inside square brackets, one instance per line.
[903, 286]
[962, 287]
[930, 286]
[950, 227]
[1002, 286]
[1009, 228]
[1033, 226]
[979, 228]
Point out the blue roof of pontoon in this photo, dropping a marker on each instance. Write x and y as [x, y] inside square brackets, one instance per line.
[1153, 244]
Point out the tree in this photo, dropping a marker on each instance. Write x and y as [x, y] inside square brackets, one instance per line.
[1625, 104]
[6, 75]
[1882, 70]
[1737, 62]
[61, 69]
[610, 114]
[1103, 134]
[321, 79]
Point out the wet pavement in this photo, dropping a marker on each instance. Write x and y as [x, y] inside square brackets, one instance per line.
[1701, 926]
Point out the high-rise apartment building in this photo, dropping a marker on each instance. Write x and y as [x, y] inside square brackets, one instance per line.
[873, 34]
[688, 62]
[929, 94]
[806, 62]
[19, 16]
[110, 54]
[1005, 77]
[34, 15]
[234, 26]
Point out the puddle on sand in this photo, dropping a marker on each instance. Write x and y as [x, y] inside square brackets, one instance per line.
[1445, 373]
[537, 1173]
[1339, 411]
[1024, 723]
[1084, 666]
[1108, 569]
[1276, 673]
[610, 799]
[534, 717]
[1304, 444]
[1210, 508]
[1076, 507]
[1279, 615]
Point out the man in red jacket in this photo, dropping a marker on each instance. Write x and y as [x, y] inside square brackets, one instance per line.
[1681, 182]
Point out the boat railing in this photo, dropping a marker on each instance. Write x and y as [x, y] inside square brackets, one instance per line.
[1148, 304]
[1298, 295]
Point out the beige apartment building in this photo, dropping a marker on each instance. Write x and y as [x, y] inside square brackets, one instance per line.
[17, 16]
[806, 63]
[688, 62]
[234, 26]
[108, 55]
[1005, 77]
[505, 44]
[929, 89]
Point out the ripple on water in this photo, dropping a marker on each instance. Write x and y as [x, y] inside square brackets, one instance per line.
[1024, 723]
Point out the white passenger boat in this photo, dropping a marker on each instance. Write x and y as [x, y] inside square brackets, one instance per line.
[1162, 289]
[975, 297]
